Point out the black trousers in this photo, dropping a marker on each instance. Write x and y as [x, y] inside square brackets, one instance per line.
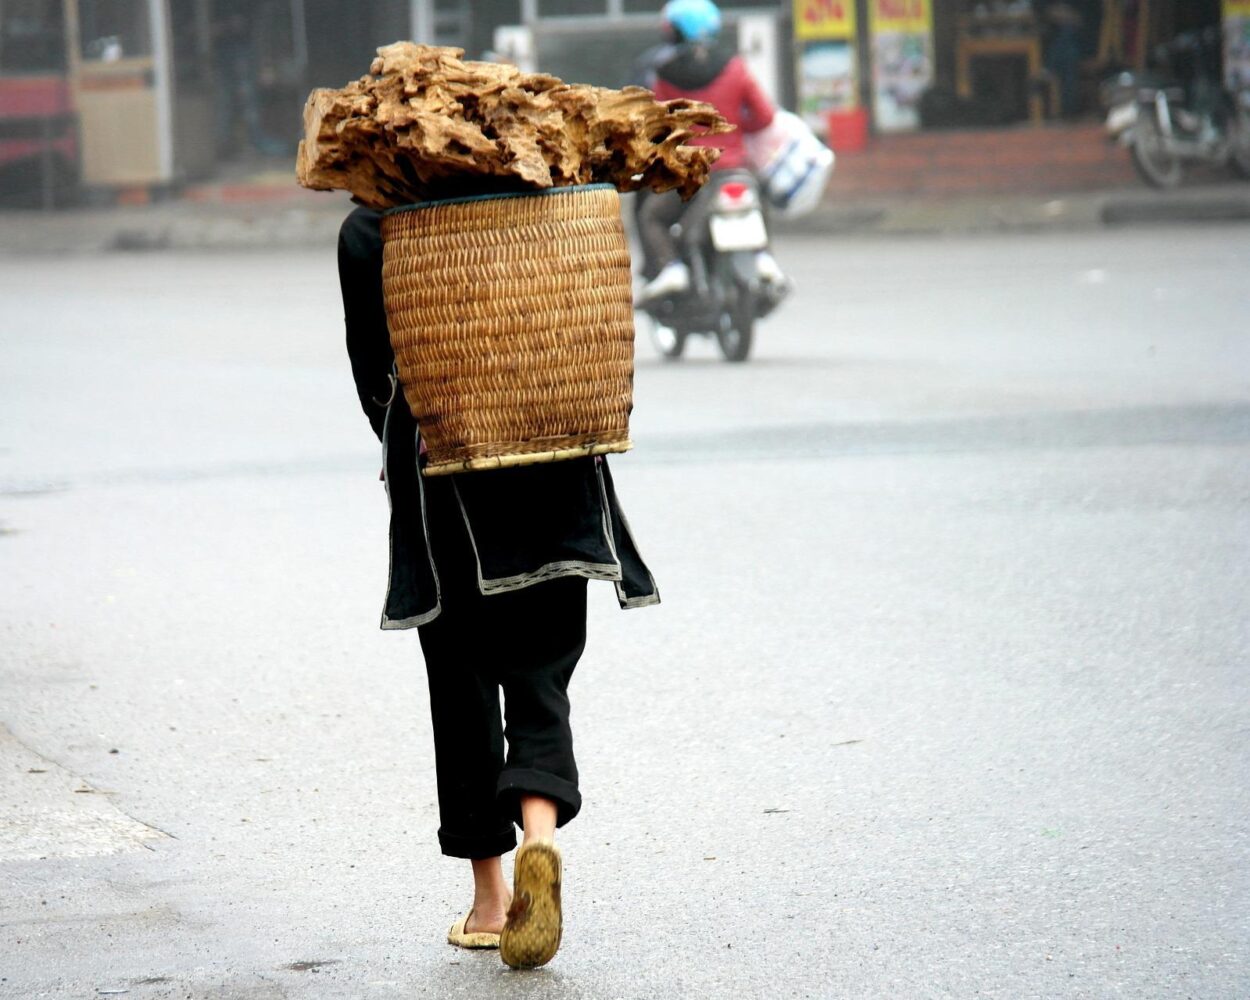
[524, 642]
[656, 214]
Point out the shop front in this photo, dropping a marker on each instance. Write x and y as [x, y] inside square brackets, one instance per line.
[39, 148]
[144, 94]
[885, 66]
[112, 93]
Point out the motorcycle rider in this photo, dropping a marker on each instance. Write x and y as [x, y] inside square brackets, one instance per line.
[695, 67]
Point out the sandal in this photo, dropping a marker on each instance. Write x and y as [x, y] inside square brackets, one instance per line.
[470, 939]
[531, 934]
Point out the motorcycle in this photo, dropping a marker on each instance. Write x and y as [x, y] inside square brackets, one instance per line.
[721, 235]
[1184, 117]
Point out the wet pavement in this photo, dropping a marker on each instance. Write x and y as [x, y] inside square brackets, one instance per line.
[947, 695]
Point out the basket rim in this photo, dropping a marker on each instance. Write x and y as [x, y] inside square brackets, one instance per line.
[510, 460]
[496, 196]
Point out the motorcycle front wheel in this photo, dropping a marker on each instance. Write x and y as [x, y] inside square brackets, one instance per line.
[737, 327]
[1155, 163]
[668, 341]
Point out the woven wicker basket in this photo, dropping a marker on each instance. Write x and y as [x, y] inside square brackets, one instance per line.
[512, 321]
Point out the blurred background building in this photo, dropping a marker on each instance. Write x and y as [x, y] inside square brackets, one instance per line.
[123, 93]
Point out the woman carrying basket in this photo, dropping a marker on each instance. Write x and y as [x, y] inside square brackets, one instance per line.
[491, 568]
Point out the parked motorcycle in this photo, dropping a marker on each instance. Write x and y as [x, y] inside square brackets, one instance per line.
[722, 234]
[1180, 117]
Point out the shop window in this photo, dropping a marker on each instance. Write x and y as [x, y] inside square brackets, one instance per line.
[109, 30]
[189, 29]
[603, 8]
[655, 6]
[32, 37]
[999, 63]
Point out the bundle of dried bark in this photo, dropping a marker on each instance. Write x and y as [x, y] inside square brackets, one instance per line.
[426, 125]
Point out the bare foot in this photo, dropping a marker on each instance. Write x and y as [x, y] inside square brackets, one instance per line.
[487, 919]
[491, 897]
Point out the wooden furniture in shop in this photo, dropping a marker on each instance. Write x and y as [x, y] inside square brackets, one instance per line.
[995, 37]
[1112, 37]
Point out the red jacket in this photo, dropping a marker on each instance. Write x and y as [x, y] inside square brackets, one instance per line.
[732, 91]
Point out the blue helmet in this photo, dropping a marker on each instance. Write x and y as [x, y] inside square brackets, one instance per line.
[693, 20]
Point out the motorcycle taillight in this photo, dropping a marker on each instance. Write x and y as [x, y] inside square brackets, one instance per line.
[735, 196]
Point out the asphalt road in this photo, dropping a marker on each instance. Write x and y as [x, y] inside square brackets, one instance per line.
[948, 695]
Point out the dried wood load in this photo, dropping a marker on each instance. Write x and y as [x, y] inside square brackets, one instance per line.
[506, 273]
[425, 125]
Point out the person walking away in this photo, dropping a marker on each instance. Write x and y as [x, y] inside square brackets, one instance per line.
[490, 567]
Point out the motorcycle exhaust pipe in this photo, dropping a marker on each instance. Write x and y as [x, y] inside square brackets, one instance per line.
[1163, 114]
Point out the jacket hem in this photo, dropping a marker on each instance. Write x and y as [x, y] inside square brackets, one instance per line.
[646, 598]
[389, 624]
[551, 571]
[645, 601]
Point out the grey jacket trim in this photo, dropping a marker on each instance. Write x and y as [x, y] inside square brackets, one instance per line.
[414, 620]
[645, 600]
[637, 602]
[425, 530]
[572, 567]
[605, 518]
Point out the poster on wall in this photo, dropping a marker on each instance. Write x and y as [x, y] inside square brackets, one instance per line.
[826, 81]
[827, 70]
[816, 20]
[902, 61]
[1237, 44]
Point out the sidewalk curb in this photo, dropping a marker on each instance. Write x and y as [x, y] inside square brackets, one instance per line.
[1137, 211]
[261, 218]
[1026, 214]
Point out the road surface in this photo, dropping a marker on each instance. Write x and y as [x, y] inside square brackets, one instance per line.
[947, 696]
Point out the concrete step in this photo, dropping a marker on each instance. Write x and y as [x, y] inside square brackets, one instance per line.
[1053, 159]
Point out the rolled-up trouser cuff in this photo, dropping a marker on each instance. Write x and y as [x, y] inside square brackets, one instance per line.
[456, 845]
[526, 781]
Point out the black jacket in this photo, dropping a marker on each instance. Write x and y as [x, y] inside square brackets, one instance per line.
[527, 524]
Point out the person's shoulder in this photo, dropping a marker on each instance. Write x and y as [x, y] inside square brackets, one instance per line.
[360, 235]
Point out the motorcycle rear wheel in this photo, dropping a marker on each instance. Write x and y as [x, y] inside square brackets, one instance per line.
[1239, 144]
[1155, 165]
[737, 329]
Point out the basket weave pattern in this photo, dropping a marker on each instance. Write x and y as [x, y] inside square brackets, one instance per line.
[513, 327]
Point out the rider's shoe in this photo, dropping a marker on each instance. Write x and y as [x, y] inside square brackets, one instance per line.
[673, 278]
[769, 270]
[776, 285]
